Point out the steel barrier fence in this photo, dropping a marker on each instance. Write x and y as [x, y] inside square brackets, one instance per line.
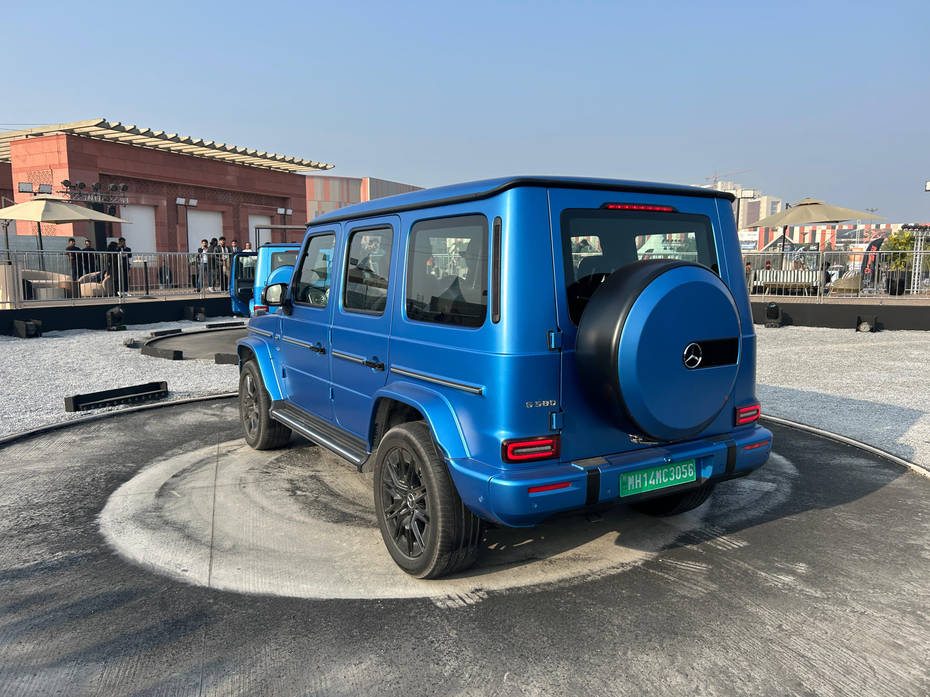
[839, 274]
[63, 277]
[75, 277]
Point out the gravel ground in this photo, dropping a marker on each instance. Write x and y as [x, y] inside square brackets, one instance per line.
[37, 374]
[871, 387]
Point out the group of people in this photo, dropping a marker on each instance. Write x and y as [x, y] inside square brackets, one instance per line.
[213, 260]
[85, 260]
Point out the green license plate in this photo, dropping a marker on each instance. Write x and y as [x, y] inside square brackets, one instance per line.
[641, 481]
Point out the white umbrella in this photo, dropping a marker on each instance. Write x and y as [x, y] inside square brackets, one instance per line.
[49, 209]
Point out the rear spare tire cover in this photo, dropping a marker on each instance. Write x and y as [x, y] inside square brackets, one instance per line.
[658, 348]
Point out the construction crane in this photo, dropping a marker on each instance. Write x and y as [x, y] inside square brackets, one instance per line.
[717, 177]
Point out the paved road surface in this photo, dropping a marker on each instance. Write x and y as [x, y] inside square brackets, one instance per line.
[808, 577]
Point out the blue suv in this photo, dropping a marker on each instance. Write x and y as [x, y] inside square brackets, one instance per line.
[508, 349]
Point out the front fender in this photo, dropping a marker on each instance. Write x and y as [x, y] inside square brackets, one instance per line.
[437, 411]
[263, 353]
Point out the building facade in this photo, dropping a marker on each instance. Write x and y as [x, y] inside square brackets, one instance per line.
[174, 190]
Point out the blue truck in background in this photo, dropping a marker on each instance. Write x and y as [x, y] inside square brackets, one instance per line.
[253, 270]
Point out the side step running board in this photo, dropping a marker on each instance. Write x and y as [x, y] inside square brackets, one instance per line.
[319, 431]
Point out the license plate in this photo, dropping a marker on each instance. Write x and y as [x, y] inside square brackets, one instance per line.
[641, 481]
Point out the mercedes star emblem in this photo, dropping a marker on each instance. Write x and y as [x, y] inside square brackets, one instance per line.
[692, 356]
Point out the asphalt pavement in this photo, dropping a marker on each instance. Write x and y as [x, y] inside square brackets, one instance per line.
[150, 554]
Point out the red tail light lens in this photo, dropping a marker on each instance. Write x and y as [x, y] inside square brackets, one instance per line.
[528, 449]
[748, 414]
[261, 308]
[548, 487]
[639, 207]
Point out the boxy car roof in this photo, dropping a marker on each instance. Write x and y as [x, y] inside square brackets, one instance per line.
[486, 188]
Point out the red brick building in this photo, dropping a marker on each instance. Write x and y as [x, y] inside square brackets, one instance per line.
[174, 189]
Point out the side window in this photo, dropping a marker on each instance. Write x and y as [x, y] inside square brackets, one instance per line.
[279, 259]
[447, 272]
[368, 266]
[312, 278]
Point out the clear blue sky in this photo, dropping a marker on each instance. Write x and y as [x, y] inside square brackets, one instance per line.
[824, 99]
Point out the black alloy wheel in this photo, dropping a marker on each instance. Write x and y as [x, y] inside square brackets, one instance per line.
[404, 499]
[426, 528]
[261, 431]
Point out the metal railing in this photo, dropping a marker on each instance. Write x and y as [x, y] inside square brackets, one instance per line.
[62, 277]
[839, 274]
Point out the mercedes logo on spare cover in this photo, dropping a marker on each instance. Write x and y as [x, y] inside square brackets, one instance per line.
[692, 356]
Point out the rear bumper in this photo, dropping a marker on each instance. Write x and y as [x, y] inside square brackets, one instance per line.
[504, 497]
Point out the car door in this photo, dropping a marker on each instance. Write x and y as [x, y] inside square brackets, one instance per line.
[305, 331]
[240, 285]
[362, 320]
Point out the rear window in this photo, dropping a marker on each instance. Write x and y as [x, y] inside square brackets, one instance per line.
[597, 242]
[279, 259]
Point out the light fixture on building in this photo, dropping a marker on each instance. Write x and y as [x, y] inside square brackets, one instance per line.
[114, 187]
[192, 202]
[24, 187]
[124, 187]
[45, 188]
[280, 211]
[81, 185]
[66, 183]
[289, 211]
[927, 186]
[180, 201]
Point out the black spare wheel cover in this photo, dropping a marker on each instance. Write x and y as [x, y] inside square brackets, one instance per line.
[658, 348]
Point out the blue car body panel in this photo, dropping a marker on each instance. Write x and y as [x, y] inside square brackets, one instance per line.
[516, 377]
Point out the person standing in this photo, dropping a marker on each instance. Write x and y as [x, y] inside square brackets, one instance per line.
[125, 254]
[225, 253]
[213, 260]
[88, 258]
[203, 261]
[74, 254]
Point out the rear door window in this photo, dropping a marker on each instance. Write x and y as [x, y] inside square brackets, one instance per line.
[367, 269]
[279, 259]
[597, 242]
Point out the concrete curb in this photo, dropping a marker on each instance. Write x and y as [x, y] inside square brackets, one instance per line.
[22, 435]
[918, 469]
[149, 347]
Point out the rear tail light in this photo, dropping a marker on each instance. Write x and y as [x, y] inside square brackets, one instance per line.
[529, 449]
[639, 207]
[261, 308]
[748, 414]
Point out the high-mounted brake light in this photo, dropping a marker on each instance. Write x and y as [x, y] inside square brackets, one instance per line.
[526, 449]
[748, 414]
[639, 207]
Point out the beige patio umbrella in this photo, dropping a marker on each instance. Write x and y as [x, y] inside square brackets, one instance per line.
[49, 209]
[809, 211]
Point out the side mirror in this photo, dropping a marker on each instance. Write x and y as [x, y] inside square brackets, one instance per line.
[275, 295]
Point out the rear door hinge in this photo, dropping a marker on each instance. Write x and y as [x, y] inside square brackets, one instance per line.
[555, 340]
[555, 420]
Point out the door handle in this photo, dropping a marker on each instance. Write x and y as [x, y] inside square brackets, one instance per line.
[317, 348]
[372, 363]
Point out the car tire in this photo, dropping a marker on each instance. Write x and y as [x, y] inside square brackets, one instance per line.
[673, 504]
[427, 529]
[261, 431]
